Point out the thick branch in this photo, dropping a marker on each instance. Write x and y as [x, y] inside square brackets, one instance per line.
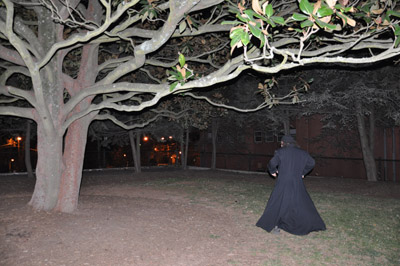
[80, 38]
[17, 111]
[123, 125]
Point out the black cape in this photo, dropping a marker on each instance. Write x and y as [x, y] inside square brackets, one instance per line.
[290, 206]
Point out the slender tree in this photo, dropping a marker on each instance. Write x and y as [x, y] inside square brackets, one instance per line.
[361, 106]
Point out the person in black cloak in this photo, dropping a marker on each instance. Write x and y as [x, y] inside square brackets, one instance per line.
[290, 207]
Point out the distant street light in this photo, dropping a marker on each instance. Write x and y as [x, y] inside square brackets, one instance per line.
[19, 139]
[10, 164]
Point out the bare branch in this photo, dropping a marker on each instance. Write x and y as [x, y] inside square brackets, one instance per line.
[17, 111]
[164, 113]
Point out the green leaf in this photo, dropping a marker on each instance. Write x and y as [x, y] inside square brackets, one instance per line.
[325, 25]
[363, 16]
[365, 8]
[258, 16]
[342, 16]
[173, 86]
[231, 22]
[236, 32]
[153, 14]
[279, 20]
[241, 18]
[250, 13]
[144, 17]
[299, 17]
[182, 60]
[173, 75]
[269, 11]
[347, 9]
[324, 11]
[182, 26]
[235, 40]
[306, 7]
[397, 30]
[271, 22]
[342, 8]
[396, 43]
[393, 13]
[188, 74]
[179, 76]
[307, 23]
[245, 38]
[256, 32]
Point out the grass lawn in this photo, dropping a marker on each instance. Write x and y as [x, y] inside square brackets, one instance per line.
[196, 218]
[361, 230]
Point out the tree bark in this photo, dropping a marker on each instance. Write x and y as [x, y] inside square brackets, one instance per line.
[74, 153]
[372, 132]
[28, 161]
[182, 148]
[184, 164]
[368, 156]
[134, 139]
[48, 169]
[214, 135]
[286, 124]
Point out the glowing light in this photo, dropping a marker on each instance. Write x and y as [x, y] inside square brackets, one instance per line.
[19, 138]
[170, 137]
[162, 138]
[145, 138]
[12, 160]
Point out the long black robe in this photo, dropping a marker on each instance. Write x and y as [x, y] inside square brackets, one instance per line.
[290, 206]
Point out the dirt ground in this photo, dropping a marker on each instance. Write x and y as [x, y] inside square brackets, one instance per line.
[121, 221]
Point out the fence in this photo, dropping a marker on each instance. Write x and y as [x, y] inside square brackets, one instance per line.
[388, 170]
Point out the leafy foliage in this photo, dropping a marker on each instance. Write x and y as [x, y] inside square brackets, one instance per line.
[268, 24]
[180, 74]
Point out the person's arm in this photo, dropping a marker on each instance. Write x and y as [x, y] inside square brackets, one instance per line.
[309, 165]
[273, 164]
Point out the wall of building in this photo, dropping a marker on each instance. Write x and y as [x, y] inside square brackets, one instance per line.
[336, 155]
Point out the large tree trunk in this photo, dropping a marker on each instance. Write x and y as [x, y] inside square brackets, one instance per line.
[372, 131]
[368, 156]
[214, 134]
[286, 124]
[28, 162]
[48, 169]
[185, 150]
[135, 147]
[182, 147]
[74, 153]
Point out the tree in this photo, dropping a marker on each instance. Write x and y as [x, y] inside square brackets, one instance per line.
[190, 114]
[362, 105]
[122, 129]
[67, 51]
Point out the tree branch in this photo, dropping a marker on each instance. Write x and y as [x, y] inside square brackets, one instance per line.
[123, 125]
[17, 112]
